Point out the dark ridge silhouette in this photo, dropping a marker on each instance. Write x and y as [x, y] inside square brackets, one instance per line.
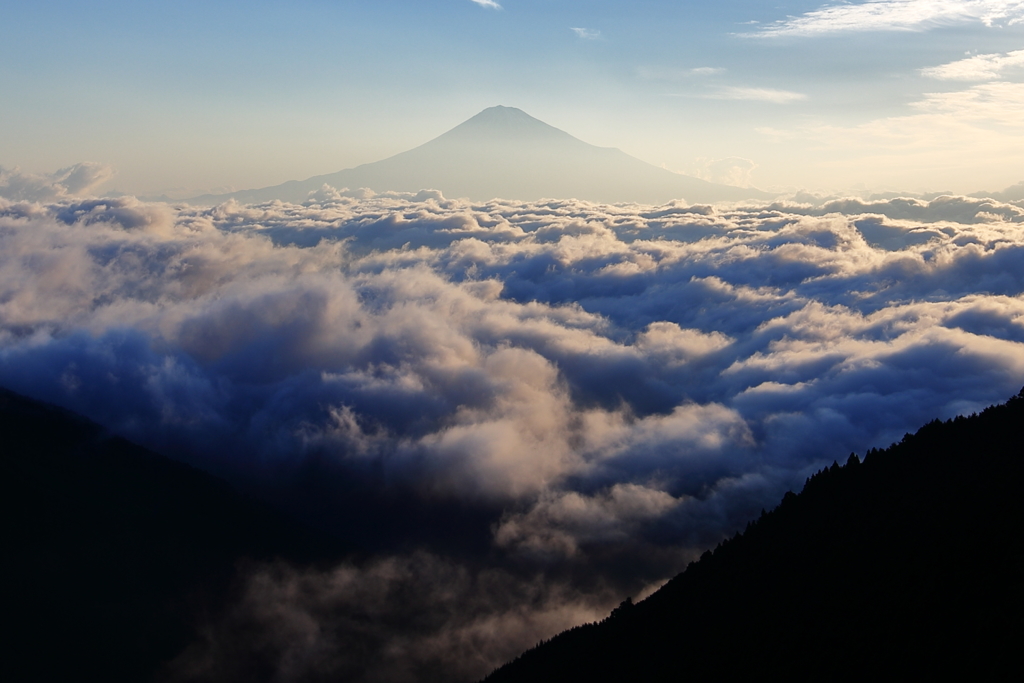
[906, 566]
[114, 554]
[504, 152]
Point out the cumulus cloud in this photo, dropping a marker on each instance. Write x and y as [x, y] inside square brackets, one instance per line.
[896, 15]
[987, 67]
[728, 171]
[560, 522]
[77, 180]
[575, 397]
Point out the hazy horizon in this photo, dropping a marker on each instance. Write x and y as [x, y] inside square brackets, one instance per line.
[185, 98]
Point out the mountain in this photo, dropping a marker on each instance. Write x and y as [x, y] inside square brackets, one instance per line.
[1014, 193]
[114, 555]
[906, 566]
[504, 152]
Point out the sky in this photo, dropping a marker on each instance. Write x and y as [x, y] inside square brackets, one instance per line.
[187, 97]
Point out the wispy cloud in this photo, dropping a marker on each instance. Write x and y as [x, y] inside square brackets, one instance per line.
[657, 73]
[896, 15]
[980, 126]
[586, 33]
[977, 68]
[757, 94]
[706, 70]
[997, 104]
[487, 3]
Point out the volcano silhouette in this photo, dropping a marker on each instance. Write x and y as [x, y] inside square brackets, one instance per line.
[503, 152]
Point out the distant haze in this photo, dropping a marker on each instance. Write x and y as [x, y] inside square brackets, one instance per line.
[188, 98]
[503, 152]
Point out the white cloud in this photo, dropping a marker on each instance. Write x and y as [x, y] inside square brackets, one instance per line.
[706, 70]
[757, 95]
[896, 15]
[586, 33]
[734, 171]
[77, 180]
[991, 103]
[487, 3]
[988, 67]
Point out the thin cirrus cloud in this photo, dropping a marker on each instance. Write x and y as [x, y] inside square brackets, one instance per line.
[586, 33]
[706, 70]
[982, 123]
[559, 403]
[756, 94]
[487, 3]
[979, 125]
[988, 67]
[658, 73]
[895, 15]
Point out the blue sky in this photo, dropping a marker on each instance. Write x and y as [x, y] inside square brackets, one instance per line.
[186, 96]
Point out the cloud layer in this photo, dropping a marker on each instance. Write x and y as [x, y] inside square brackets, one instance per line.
[574, 398]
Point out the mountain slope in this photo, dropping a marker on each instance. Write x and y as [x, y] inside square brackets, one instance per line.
[504, 152]
[909, 565]
[113, 554]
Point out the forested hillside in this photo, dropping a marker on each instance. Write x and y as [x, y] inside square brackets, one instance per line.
[905, 565]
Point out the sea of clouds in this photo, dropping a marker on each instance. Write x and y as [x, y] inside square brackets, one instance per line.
[517, 413]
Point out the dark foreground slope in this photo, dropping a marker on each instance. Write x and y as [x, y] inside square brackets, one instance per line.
[113, 554]
[905, 566]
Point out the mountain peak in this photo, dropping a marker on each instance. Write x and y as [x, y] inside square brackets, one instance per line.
[500, 114]
[504, 123]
